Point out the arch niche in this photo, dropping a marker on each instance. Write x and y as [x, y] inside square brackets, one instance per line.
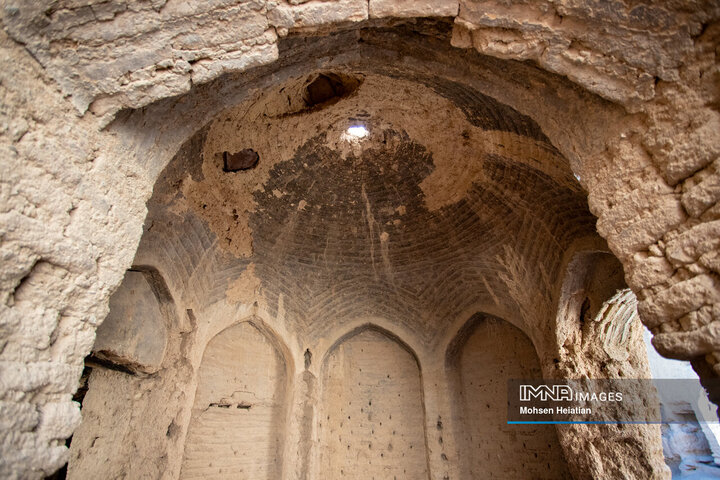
[371, 418]
[486, 353]
[237, 425]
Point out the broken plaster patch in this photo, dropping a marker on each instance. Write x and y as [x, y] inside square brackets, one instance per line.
[227, 199]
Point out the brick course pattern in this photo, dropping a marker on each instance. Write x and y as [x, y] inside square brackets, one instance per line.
[99, 97]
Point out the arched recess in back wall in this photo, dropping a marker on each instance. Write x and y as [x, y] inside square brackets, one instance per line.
[372, 415]
[237, 426]
[486, 353]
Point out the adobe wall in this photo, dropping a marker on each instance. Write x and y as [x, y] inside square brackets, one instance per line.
[408, 227]
[493, 352]
[371, 413]
[237, 427]
[74, 192]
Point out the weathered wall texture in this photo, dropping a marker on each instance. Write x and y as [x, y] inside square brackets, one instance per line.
[636, 117]
[599, 336]
[238, 418]
[406, 228]
[371, 416]
[58, 205]
[489, 353]
[135, 318]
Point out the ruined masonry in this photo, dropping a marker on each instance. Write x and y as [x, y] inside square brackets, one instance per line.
[294, 239]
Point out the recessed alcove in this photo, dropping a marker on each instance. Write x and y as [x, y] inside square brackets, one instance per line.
[486, 354]
[237, 426]
[371, 414]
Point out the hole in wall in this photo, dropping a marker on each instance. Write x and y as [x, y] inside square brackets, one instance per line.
[308, 358]
[173, 430]
[323, 89]
[245, 159]
[358, 131]
[109, 360]
[328, 88]
[584, 311]
[79, 395]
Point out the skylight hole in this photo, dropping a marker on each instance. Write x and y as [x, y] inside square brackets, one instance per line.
[357, 131]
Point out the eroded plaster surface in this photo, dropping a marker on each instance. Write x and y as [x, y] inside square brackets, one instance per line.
[630, 102]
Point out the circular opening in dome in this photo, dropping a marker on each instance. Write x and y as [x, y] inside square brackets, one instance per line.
[357, 131]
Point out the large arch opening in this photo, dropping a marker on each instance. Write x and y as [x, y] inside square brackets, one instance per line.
[647, 154]
[386, 175]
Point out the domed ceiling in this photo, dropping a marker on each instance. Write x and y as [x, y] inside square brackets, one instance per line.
[342, 195]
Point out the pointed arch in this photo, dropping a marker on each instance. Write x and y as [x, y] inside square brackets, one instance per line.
[372, 414]
[238, 420]
[483, 356]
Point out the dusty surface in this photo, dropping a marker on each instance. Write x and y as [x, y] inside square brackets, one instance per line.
[488, 354]
[134, 317]
[600, 336]
[237, 424]
[371, 412]
[630, 103]
[401, 229]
